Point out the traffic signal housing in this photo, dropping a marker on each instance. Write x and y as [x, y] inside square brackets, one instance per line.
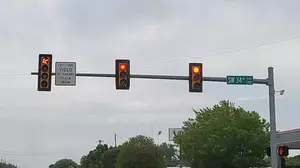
[44, 72]
[283, 151]
[195, 77]
[122, 74]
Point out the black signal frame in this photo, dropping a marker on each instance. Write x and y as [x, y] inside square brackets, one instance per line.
[120, 74]
[44, 73]
[192, 79]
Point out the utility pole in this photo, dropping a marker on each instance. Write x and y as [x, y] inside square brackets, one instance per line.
[273, 144]
[115, 137]
[180, 153]
[152, 131]
[158, 145]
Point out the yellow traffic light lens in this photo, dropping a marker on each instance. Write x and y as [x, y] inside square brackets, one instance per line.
[45, 68]
[122, 67]
[196, 69]
[123, 74]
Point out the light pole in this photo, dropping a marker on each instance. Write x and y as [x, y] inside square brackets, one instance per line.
[281, 92]
[158, 134]
[279, 159]
[273, 145]
[273, 131]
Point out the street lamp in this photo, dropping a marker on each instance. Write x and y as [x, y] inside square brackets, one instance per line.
[281, 92]
[158, 134]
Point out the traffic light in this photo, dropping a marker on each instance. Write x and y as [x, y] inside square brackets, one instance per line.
[44, 72]
[122, 74]
[195, 77]
[283, 151]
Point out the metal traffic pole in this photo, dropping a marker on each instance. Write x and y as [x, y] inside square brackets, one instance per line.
[269, 82]
[273, 144]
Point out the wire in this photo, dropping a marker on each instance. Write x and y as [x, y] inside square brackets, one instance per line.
[19, 74]
[29, 154]
[120, 137]
[206, 55]
[4, 152]
[226, 52]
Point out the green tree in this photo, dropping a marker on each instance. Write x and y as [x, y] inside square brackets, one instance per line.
[293, 161]
[4, 165]
[64, 163]
[170, 154]
[224, 136]
[93, 157]
[109, 158]
[139, 151]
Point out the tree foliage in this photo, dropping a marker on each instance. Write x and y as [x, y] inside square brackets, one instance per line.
[93, 157]
[219, 137]
[109, 158]
[4, 165]
[64, 163]
[293, 161]
[224, 136]
[139, 151]
[170, 154]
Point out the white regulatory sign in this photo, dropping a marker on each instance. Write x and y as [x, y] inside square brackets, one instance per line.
[65, 73]
[173, 132]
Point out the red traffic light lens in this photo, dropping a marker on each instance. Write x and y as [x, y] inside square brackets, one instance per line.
[280, 151]
[45, 60]
[122, 67]
[196, 69]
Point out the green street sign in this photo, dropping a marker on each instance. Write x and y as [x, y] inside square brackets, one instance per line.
[239, 80]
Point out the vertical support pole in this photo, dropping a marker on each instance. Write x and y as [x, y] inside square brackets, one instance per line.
[273, 144]
[180, 153]
[279, 162]
[115, 136]
[158, 147]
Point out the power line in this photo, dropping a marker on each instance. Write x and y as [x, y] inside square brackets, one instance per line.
[194, 57]
[120, 137]
[17, 74]
[226, 51]
[5, 152]
[29, 154]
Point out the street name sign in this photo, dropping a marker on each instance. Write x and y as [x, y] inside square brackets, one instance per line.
[239, 80]
[65, 73]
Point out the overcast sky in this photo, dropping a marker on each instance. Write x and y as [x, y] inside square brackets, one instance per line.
[159, 37]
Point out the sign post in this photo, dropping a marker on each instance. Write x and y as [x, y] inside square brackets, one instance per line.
[65, 73]
[172, 133]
